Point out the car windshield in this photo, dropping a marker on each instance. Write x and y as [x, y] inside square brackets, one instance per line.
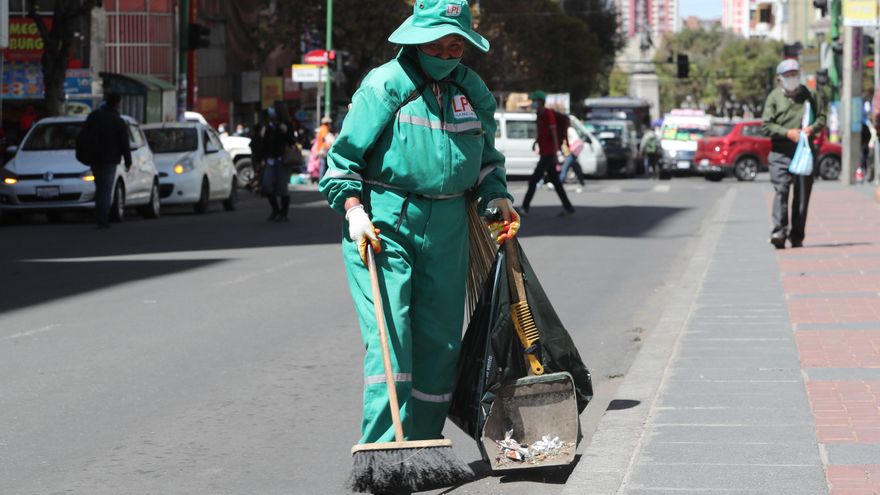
[682, 133]
[55, 136]
[172, 139]
[719, 130]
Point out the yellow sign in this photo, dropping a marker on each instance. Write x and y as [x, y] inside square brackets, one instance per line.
[810, 60]
[860, 13]
[272, 90]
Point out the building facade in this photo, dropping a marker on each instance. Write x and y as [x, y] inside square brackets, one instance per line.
[736, 16]
[655, 16]
[788, 21]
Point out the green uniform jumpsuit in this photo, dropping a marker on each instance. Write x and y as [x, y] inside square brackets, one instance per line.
[410, 157]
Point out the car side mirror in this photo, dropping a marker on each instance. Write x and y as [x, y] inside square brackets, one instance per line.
[209, 151]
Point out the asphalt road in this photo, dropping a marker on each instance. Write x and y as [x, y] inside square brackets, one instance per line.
[220, 354]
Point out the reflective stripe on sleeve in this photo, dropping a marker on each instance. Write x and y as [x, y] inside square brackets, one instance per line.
[338, 174]
[436, 124]
[438, 398]
[398, 377]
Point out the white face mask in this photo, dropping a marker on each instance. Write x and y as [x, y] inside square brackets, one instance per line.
[790, 83]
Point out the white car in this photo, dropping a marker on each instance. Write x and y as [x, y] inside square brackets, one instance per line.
[45, 176]
[516, 133]
[193, 166]
[239, 148]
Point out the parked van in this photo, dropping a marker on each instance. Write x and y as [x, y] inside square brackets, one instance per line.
[516, 133]
[681, 131]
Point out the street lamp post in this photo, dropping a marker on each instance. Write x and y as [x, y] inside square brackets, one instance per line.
[328, 47]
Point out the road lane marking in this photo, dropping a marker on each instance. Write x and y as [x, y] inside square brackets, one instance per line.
[661, 188]
[47, 328]
[611, 189]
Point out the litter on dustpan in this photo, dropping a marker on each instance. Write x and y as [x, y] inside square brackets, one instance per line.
[548, 447]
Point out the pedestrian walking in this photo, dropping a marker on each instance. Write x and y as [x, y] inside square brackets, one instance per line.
[782, 120]
[323, 140]
[102, 143]
[274, 141]
[547, 142]
[419, 135]
[650, 151]
[575, 147]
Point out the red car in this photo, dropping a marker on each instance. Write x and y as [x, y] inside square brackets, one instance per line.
[732, 149]
[828, 162]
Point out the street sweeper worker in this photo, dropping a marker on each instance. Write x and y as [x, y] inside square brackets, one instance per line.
[417, 144]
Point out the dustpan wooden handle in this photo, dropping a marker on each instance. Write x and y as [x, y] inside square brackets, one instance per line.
[383, 341]
[514, 269]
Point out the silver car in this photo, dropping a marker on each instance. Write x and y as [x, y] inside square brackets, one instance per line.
[45, 176]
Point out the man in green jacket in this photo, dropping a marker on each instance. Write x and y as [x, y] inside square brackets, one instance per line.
[420, 134]
[783, 115]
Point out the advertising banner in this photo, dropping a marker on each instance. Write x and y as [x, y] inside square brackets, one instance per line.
[25, 42]
[860, 13]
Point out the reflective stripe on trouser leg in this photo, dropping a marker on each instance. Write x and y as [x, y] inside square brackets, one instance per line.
[437, 311]
[394, 278]
[432, 322]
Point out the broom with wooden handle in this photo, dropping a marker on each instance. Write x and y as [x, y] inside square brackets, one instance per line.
[401, 465]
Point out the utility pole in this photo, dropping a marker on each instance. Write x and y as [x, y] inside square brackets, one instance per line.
[851, 102]
[329, 46]
[182, 54]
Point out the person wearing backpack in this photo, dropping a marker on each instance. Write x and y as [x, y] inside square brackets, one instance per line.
[548, 141]
[101, 144]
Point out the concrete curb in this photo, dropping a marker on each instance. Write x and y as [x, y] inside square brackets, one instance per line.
[604, 466]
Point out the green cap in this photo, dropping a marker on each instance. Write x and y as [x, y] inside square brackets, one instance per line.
[538, 95]
[434, 19]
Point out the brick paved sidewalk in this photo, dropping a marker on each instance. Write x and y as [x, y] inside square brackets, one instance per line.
[770, 374]
[832, 287]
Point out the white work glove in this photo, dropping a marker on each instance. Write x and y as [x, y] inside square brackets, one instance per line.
[504, 221]
[360, 229]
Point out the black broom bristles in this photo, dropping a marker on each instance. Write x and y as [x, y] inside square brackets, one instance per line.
[407, 469]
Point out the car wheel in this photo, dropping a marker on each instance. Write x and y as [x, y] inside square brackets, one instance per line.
[829, 167]
[245, 170]
[117, 207]
[746, 169]
[714, 177]
[151, 209]
[202, 205]
[230, 202]
[55, 216]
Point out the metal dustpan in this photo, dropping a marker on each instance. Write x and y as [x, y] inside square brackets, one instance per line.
[533, 407]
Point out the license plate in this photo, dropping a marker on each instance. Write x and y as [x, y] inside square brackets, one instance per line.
[684, 165]
[48, 192]
[704, 161]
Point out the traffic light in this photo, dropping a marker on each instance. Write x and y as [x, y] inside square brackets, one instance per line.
[198, 36]
[821, 5]
[684, 66]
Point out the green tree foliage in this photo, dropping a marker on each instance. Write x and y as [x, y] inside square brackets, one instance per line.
[724, 69]
[535, 45]
[601, 19]
[68, 16]
[618, 83]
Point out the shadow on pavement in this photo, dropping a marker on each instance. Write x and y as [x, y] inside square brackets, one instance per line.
[621, 404]
[30, 283]
[28, 248]
[598, 221]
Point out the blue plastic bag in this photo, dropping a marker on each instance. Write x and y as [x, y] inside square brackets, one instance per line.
[802, 163]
